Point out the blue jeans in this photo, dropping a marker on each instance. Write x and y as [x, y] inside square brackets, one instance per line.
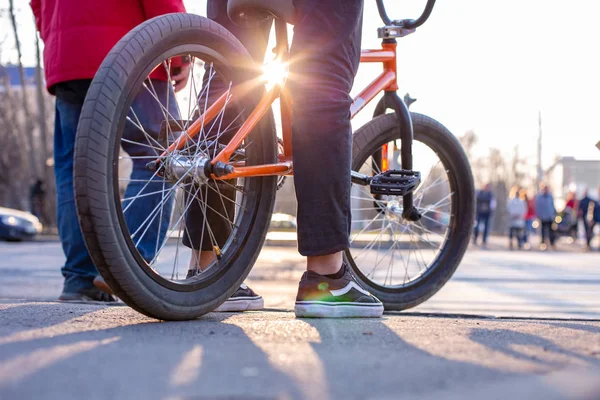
[528, 230]
[79, 270]
[518, 233]
[485, 220]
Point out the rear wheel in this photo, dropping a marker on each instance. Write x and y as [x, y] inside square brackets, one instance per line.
[404, 263]
[171, 242]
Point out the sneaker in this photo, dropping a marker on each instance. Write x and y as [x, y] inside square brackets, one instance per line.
[322, 297]
[92, 295]
[244, 299]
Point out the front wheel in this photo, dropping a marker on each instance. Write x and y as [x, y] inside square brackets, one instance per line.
[404, 263]
[170, 241]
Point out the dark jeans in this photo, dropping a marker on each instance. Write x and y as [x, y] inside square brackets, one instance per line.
[589, 231]
[79, 270]
[547, 232]
[586, 230]
[325, 53]
[485, 220]
[516, 233]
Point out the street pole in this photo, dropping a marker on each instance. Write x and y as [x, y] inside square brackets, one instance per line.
[540, 172]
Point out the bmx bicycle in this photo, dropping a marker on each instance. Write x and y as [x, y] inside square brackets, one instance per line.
[208, 165]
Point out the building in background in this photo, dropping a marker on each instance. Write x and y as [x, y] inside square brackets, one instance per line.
[9, 75]
[568, 173]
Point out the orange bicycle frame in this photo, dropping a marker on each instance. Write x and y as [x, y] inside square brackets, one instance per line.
[386, 81]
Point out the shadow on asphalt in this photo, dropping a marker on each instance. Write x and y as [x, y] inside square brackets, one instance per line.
[221, 350]
[386, 351]
[507, 341]
[579, 327]
[26, 316]
[209, 354]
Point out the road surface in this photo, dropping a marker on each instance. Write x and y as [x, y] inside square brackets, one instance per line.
[520, 325]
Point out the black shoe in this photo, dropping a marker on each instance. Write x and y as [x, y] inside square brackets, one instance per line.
[244, 299]
[191, 273]
[92, 295]
[322, 297]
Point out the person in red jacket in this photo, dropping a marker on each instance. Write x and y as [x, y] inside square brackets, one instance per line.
[77, 36]
[529, 218]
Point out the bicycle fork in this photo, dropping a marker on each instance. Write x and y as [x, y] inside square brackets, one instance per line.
[396, 182]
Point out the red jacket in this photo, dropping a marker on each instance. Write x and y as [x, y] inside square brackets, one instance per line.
[530, 210]
[78, 34]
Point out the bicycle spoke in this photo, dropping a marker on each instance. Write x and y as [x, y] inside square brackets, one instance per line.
[221, 215]
[166, 113]
[217, 191]
[167, 223]
[151, 214]
[382, 222]
[156, 149]
[149, 138]
[150, 217]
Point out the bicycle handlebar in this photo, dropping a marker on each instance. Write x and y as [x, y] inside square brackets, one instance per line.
[406, 23]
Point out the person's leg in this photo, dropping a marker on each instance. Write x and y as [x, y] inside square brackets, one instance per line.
[255, 40]
[325, 58]
[150, 215]
[79, 270]
[588, 235]
[486, 227]
[542, 232]
[551, 233]
[511, 232]
[205, 230]
[520, 237]
[476, 228]
[202, 234]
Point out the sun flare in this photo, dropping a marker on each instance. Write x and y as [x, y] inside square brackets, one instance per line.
[274, 72]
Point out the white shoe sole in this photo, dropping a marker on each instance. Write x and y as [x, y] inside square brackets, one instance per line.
[336, 310]
[242, 304]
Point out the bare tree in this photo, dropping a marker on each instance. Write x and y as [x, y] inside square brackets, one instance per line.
[49, 203]
[28, 125]
[14, 152]
[24, 122]
[42, 118]
[468, 141]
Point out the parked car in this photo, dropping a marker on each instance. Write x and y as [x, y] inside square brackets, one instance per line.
[282, 222]
[17, 225]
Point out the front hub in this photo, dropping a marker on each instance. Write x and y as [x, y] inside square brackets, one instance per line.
[179, 168]
[394, 210]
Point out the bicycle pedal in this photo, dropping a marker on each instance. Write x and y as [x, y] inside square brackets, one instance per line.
[395, 182]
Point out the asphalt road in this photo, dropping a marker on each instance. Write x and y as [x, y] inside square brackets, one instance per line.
[520, 325]
[497, 283]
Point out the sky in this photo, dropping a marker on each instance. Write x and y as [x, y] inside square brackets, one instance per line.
[486, 66]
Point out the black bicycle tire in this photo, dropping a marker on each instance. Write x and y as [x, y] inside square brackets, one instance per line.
[96, 211]
[366, 141]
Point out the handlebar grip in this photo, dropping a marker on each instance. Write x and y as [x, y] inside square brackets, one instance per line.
[412, 23]
[407, 23]
[384, 17]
